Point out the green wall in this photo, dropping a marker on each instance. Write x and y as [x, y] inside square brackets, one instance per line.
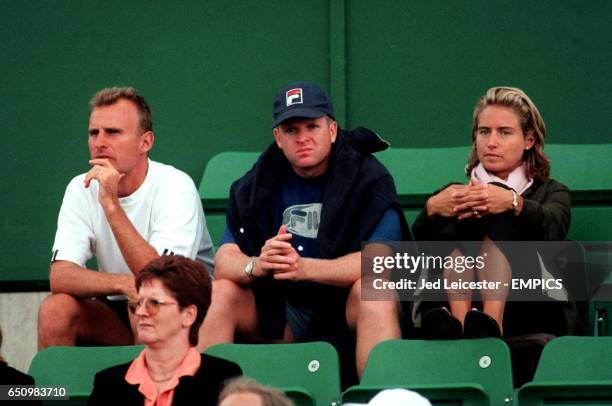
[410, 70]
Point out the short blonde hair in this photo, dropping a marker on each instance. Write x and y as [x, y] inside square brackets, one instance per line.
[111, 95]
[269, 396]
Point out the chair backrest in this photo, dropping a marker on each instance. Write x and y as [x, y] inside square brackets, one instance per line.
[313, 367]
[417, 364]
[571, 371]
[576, 359]
[418, 172]
[584, 168]
[75, 367]
[219, 174]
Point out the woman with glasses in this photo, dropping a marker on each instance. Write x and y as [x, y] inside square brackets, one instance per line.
[173, 297]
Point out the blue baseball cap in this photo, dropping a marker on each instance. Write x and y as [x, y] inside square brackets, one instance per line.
[301, 99]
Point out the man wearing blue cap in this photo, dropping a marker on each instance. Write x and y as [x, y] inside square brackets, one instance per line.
[288, 268]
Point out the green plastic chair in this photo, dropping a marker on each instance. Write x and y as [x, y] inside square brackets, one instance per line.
[219, 174]
[74, 368]
[467, 372]
[572, 165]
[309, 373]
[417, 172]
[572, 370]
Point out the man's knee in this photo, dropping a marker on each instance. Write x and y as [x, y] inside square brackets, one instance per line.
[369, 309]
[230, 299]
[227, 292]
[57, 320]
[58, 310]
[382, 309]
[232, 305]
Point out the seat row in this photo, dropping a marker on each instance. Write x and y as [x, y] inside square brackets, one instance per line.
[418, 172]
[572, 370]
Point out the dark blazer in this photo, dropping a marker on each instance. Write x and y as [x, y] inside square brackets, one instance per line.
[545, 216]
[12, 376]
[110, 386]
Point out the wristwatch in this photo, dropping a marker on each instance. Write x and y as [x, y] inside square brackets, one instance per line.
[514, 200]
[248, 268]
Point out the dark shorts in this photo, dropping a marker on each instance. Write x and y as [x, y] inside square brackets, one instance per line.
[119, 307]
[312, 311]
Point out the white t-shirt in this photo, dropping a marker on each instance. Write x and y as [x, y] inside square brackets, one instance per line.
[166, 210]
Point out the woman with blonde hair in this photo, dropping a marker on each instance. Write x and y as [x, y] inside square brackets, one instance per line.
[509, 197]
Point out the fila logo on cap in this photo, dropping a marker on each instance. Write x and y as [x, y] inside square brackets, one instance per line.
[294, 96]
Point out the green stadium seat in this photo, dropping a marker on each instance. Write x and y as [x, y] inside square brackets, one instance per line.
[418, 172]
[602, 318]
[74, 368]
[585, 169]
[219, 173]
[215, 222]
[572, 371]
[468, 372]
[308, 372]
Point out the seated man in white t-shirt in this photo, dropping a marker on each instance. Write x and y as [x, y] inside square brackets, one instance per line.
[126, 211]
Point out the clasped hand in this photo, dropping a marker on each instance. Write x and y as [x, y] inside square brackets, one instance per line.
[279, 259]
[472, 200]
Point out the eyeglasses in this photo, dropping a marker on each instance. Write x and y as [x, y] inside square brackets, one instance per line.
[152, 305]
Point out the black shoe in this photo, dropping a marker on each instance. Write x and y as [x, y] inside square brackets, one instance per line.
[439, 324]
[480, 325]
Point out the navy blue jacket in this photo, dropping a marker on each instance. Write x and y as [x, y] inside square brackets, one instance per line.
[358, 191]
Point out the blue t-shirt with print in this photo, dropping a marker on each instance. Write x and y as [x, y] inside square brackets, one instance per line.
[300, 212]
[301, 203]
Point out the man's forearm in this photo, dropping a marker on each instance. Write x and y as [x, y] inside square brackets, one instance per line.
[67, 277]
[230, 263]
[136, 251]
[342, 271]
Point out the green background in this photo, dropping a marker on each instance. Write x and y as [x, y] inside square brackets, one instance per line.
[410, 70]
